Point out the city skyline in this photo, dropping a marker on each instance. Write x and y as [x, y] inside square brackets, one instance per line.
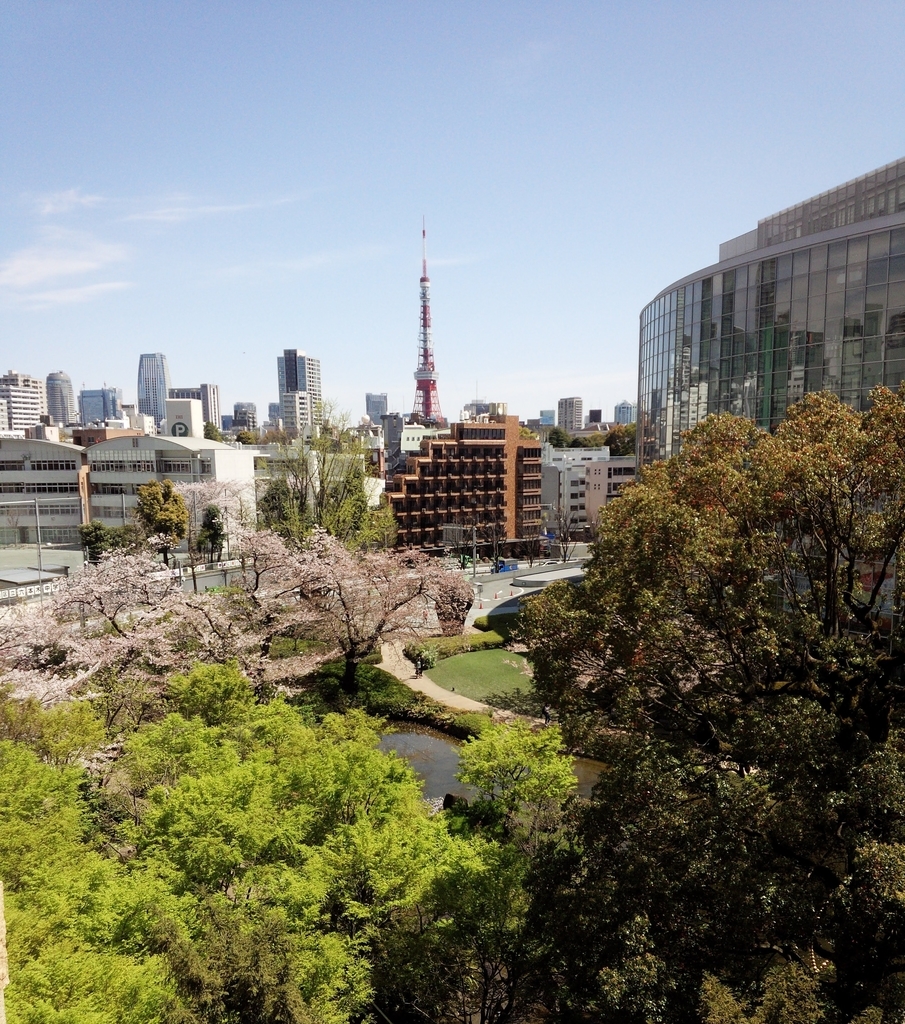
[221, 188]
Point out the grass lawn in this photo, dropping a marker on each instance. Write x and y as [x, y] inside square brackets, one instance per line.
[481, 673]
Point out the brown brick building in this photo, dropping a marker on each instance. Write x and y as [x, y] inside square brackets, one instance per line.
[483, 475]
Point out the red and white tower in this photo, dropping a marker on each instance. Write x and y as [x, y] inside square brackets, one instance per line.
[427, 401]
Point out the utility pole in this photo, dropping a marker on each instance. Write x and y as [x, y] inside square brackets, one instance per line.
[40, 560]
[474, 552]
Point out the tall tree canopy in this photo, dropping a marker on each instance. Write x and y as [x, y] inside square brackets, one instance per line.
[163, 515]
[735, 657]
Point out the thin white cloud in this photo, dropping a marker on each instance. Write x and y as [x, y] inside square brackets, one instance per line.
[34, 276]
[63, 202]
[180, 209]
[59, 254]
[66, 296]
[304, 264]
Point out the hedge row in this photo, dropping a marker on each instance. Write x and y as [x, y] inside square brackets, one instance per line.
[502, 623]
[448, 646]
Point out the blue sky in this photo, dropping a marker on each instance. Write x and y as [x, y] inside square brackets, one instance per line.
[219, 181]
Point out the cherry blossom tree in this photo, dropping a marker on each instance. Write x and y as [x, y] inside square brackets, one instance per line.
[364, 598]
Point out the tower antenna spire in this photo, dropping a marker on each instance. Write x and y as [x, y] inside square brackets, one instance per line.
[427, 402]
[423, 247]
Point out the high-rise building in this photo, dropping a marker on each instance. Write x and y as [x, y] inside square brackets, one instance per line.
[625, 412]
[297, 413]
[547, 417]
[60, 398]
[245, 416]
[393, 426]
[153, 385]
[299, 374]
[427, 401]
[207, 394]
[274, 414]
[97, 406]
[26, 399]
[375, 406]
[570, 414]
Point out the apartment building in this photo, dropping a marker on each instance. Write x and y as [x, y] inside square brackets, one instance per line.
[483, 475]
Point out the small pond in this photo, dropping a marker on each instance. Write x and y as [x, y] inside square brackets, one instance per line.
[435, 758]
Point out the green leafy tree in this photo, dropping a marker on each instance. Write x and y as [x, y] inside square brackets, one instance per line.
[596, 440]
[63, 904]
[517, 767]
[734, 657]
[212, 432]
[247, 437]
[98, 538]
[163, 515]
[621, 439]
[558, 437]
[218, 694]
[468, 953]
[211, 532]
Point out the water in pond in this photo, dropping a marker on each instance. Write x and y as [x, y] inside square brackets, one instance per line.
[435, 758]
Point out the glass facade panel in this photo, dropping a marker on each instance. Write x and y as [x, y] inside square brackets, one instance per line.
[754, 337]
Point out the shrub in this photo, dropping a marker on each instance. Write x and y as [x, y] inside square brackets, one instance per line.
[503, 623]
[472, 723]
[448, 646]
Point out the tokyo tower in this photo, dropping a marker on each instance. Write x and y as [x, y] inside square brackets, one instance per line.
[427, 401]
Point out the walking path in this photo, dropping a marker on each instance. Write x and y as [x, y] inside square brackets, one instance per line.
[396, 663]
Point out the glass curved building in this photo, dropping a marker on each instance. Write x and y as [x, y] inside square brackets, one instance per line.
[812, 299]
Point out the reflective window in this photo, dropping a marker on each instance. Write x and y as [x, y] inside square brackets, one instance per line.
[876, 271]
[878, 245]
[857, 250]
[837, 254]
[897, 268]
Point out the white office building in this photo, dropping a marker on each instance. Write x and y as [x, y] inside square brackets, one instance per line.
[564, 480]
[120, 465]
[25, 397]
[570, 414]
[49, 474]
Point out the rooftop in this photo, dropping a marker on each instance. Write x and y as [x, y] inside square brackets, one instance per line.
[878, 193]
